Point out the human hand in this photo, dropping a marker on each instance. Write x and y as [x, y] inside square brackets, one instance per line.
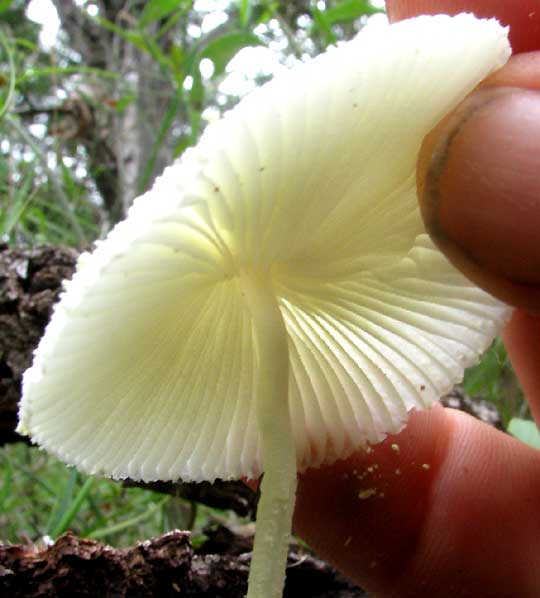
[457, 505]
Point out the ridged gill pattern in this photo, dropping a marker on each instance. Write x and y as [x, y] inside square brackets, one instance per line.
[147, 367]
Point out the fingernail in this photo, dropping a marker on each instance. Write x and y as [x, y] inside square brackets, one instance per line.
[481, 191]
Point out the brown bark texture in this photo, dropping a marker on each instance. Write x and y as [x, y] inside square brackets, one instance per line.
[30, 282]
[164, 566]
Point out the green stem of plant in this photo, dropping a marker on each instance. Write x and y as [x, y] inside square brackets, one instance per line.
[278, 490]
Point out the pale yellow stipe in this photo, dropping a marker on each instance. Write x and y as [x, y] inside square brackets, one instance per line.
[276, 505]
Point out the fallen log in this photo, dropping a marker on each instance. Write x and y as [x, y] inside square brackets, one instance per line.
[166, 566]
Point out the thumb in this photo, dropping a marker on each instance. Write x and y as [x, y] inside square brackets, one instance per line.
[479, 184]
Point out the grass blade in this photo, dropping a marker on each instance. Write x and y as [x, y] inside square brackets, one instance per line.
[12, 76]
[73, 509]
[63, 500]
[132, 521]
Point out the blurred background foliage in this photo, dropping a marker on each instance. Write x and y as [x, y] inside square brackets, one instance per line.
[96, 97]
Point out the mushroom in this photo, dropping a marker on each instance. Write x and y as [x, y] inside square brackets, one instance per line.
[273, 303]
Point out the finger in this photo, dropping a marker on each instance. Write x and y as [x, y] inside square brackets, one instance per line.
[523, 16]
[479, 190]
[448, 507]
[478, 171]
[479, 186]
[486, 216]
[522, 340]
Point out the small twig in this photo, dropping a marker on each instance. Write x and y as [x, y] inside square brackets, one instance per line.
[29, 112]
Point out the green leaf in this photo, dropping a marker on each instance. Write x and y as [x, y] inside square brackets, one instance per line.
[69, 183]
[124, 102]
[163, 131]
[137, 39]
[181, 146]
[342, 12]
[152, 47]
[177, 57]
[158, 9]
[195, 124]
[134, 37]
[7, 485]
[197, 92]
[262, 13]
[245, 10]
[74, 507]
[173, 19]
[525, 430]
[223, 49]
[10, 94]
[63, 501]
[131, 522]
[5, 4]
[349, 10]
[322, 23]
[33, 73]
[26, 44]
[21, 200]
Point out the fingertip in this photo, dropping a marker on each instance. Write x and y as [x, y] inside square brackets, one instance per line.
[365, 514]
[523, 71]
[522, 340]
[523, 16]
[479, 172]
[479, 191]
[448, 523]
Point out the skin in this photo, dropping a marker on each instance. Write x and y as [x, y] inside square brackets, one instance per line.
[457, 508]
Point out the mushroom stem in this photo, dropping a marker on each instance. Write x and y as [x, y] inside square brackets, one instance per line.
[278, 490]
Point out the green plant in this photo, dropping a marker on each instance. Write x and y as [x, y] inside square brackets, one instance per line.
[494, 380]
[525, 430]
[41, 498]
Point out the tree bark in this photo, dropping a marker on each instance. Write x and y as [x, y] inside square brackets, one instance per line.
[165, 566]
[30, 282]
[121, 142]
